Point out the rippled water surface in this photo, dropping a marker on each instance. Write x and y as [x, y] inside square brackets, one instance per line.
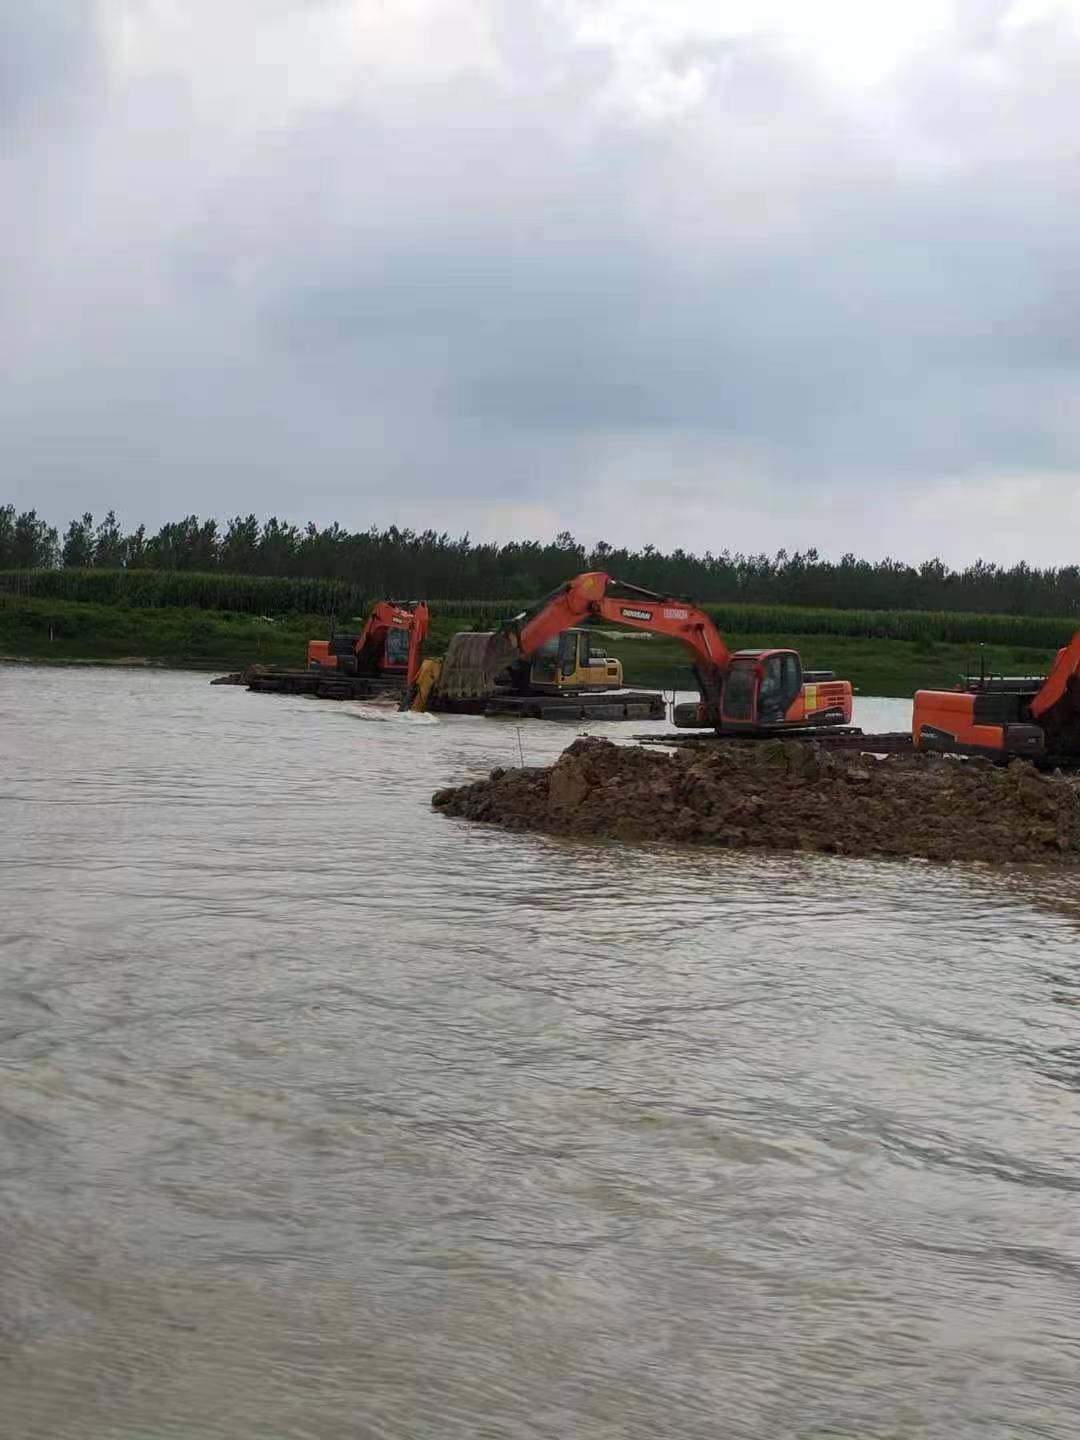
[324, 1116]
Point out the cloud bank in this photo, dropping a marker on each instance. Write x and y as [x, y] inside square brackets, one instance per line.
[711, 274]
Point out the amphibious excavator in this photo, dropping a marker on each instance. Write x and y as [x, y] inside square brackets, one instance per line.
[748, 691]
[390, 644]
[566, 678]
[1006, 716]
[382, 658]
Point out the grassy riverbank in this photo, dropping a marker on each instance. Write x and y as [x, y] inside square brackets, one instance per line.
[65, 632]
[68, 631]
[875, 667]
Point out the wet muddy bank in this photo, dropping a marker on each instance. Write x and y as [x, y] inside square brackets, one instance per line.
[784, 796]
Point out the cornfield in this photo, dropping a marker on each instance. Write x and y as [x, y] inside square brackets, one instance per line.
[169, 589]
[281, 596]
[920, 626]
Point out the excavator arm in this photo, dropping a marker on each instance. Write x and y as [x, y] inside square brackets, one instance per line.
[597, 595]
[1056, 686]
[473, 660]
[1056, 705]
[417, 636]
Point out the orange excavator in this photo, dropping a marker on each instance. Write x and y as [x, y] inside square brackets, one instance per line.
[1006, 716]
[748, 691]
[389, 647]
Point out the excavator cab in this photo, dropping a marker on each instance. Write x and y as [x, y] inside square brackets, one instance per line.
[761, 686]
[396, 650]
[344, 652]
[388, 643]
[768, 689]
[568, 662]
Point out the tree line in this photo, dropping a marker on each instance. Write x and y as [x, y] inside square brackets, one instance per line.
[429, 564]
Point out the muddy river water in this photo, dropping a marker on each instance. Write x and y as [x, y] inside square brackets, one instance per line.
[322, 1115]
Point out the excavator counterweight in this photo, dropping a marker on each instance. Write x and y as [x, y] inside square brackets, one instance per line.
[1006, 716]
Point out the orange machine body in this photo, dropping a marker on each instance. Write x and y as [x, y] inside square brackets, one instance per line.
[1001, 716]
[751, 690]
[390, 643]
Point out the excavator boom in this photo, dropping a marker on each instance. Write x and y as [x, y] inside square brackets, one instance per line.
[474, 660]
[1057, 685]
[597, 595]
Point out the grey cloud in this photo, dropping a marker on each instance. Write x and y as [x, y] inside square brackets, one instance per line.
[49, 57]
[465, 294]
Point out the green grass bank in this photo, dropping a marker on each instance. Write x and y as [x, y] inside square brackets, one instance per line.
[65, 631]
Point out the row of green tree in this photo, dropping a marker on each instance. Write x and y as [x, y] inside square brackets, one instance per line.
[428, 564]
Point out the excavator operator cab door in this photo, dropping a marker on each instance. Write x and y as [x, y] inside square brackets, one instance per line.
[739, 705]
[545, 665]
[396, 655]
[568, 655]
[761, 687]
[779, 686]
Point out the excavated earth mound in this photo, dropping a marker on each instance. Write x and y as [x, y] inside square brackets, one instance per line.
[787, 796]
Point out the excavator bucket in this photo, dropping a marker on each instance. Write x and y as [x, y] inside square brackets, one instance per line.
[473, 659]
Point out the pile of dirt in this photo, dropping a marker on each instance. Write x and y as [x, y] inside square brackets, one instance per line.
[782, 795]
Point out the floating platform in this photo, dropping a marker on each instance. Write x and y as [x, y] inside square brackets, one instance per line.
[849, 737]
[604, 705]
[332, 685]
[323, 684]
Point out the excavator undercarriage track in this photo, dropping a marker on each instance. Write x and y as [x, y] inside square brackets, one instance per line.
[324, 684]
[610, 705]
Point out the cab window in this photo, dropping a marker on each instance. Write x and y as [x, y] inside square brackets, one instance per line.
[771, 690]
[738, 700]
[781, 679]
[546, 660]
[397, 646]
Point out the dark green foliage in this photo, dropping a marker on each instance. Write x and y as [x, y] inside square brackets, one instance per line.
[78, 551]
[410, 565]
[192, 637]
[62, 630]
[110, 550]
[875, 667]
[246, 594]
[264, 595]
[925, 627]
[26, 542]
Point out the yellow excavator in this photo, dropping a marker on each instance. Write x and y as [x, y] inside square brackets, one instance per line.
[567, 664]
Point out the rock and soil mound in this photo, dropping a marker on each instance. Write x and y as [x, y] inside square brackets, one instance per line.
[784, 795]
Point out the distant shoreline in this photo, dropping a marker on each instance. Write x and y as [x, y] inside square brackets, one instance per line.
[36, 631]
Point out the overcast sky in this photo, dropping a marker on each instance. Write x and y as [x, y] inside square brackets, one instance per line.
[717, 273]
